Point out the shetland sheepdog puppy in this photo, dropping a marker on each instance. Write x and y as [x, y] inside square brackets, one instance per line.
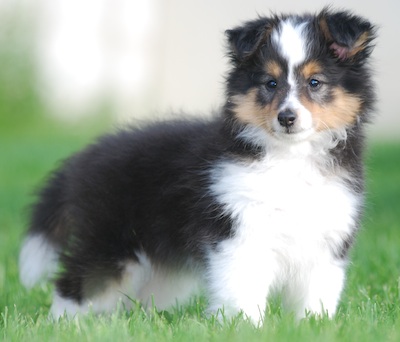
[264, 198]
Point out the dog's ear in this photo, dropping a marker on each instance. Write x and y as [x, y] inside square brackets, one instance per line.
[349, 37]
[245, 40]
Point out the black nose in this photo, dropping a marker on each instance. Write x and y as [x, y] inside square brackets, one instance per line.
[287, 118]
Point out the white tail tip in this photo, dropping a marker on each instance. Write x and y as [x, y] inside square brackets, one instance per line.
[37, 260]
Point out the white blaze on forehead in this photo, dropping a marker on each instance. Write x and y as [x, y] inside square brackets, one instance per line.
[290, 42]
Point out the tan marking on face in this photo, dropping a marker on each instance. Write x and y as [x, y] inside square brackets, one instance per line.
[310, 69]
[249, 111]
[342, 111]
[273, 69]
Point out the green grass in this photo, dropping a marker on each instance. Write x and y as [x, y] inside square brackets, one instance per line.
[369, 310]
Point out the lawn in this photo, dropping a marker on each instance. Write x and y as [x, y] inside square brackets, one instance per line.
[369, 310]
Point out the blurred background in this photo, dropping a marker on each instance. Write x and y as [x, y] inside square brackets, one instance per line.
[135, 59]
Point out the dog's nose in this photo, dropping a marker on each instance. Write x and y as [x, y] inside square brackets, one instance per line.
[287, 118]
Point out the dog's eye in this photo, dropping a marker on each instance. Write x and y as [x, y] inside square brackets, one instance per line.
[272, 84]
[314, 83]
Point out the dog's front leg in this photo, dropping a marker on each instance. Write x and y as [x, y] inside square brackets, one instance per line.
[317, 290]
[239, 280]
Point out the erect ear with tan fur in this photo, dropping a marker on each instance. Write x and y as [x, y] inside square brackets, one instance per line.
[349, 37]
[245, 40]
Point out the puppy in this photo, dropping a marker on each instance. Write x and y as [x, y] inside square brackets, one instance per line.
[263, 198]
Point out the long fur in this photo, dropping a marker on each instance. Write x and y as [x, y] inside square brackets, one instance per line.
[264, 198]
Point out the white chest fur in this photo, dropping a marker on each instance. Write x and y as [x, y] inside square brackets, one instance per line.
[291, 220]
[286, 199]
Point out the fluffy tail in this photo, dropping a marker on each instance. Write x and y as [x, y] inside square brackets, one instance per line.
[38, 259]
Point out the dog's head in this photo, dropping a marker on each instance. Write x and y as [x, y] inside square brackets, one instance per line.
[296, 76]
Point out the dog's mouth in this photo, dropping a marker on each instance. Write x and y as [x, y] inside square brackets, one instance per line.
[290, 130]
[292, 133]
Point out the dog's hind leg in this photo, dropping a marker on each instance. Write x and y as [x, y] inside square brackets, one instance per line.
[103, 291]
